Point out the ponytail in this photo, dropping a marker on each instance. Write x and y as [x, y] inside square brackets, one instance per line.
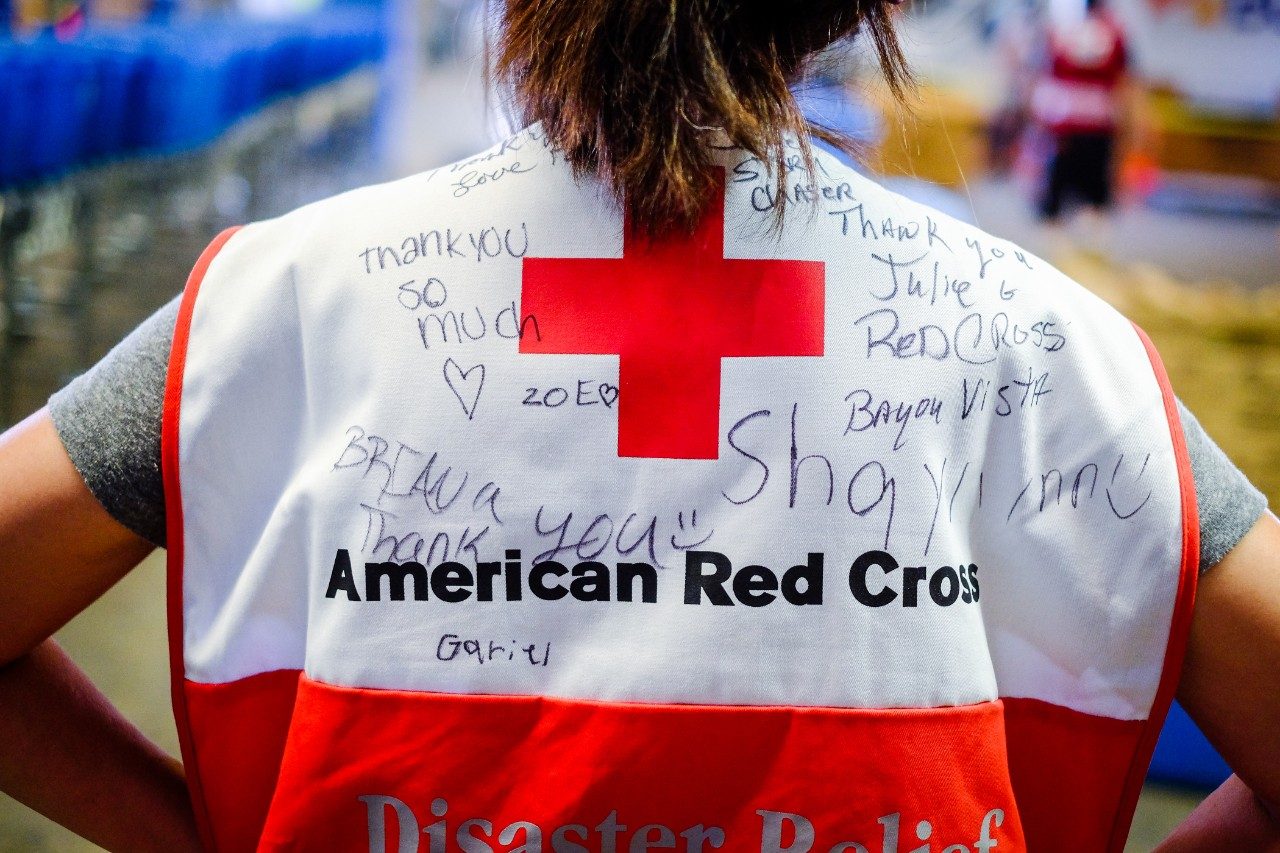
[631, 90]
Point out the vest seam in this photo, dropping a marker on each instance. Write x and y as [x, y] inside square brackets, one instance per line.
[169, 458]
[632, 703]
[1180, 618]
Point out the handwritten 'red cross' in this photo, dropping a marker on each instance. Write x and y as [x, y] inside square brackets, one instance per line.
[671, 309]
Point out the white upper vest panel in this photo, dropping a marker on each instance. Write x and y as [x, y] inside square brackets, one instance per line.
[355, 394]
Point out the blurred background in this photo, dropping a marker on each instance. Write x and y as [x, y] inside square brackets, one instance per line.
[1134, 143]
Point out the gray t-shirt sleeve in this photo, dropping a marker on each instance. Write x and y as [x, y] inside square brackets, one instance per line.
[109, 420]
[1229, 504]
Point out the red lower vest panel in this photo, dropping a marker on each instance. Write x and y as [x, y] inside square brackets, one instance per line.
[505, 773]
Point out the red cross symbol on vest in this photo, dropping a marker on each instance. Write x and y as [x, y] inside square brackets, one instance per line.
[671, 309]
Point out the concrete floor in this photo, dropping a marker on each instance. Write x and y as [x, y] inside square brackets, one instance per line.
[1193, 248]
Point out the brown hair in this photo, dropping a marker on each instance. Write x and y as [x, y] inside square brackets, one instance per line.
[628, 89]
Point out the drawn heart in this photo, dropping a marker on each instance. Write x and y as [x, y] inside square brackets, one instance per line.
[466, 390]
[608, 393]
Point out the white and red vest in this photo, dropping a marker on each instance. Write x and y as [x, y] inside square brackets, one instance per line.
[495, 527]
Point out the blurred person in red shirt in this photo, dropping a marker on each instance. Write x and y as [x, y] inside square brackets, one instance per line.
[1078, 103]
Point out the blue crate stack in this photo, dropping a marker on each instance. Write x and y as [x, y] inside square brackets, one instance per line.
[113, 93]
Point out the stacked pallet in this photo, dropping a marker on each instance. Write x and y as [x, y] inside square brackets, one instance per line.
[112, 93]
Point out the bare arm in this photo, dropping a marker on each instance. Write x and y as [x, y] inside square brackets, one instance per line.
[1231, 688]
[68, 753]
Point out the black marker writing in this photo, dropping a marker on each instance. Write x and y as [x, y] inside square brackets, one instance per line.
[465, 388]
